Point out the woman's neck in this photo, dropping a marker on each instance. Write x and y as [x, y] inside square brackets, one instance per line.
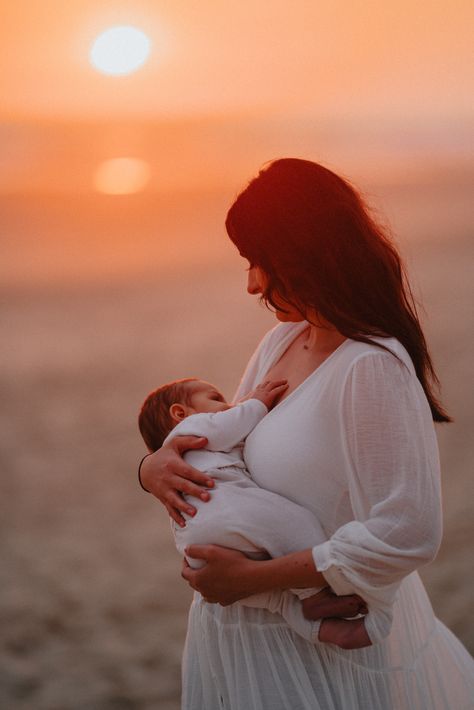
[323, 337]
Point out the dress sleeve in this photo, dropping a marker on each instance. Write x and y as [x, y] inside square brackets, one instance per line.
[393, 481]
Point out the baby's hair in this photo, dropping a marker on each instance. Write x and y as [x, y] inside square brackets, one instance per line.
[154, 420]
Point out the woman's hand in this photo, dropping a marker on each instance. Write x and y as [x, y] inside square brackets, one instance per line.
[226, 577]
[167, 476]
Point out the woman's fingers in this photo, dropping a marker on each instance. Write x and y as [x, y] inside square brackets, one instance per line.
[181, 483]
[189, 574]
[177, 486]
[184, 443]
[201, 552]
[175, 515]
[194, 577]
[176, 501]
[168, 477]
[180, 444]
[218, 581]
[191, 577]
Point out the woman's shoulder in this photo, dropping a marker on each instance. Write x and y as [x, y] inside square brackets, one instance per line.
[386, 353]
[380, 376]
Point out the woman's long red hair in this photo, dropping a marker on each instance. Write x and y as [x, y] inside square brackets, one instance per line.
[310, 232]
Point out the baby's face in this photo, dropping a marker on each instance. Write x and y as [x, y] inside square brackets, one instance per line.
[206, 398]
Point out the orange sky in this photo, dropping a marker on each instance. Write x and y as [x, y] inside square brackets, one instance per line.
[371, 88]
[377, 90]
[364, 57]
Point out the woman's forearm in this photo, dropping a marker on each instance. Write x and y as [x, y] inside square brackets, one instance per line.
[296, 570]
[229, 576]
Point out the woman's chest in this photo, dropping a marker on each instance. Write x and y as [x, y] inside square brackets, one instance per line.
[295, 365]
[297, 451]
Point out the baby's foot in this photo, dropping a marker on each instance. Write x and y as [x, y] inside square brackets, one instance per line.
[327, 604]
[348, 634]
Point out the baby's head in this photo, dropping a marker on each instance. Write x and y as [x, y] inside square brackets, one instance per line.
[173, 402]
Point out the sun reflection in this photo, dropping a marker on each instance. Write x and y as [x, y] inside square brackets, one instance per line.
[122, 176]
[120, 50]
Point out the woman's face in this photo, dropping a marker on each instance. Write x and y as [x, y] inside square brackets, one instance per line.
[257, 281]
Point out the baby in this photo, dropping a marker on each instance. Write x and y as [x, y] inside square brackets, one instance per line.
[240, 514]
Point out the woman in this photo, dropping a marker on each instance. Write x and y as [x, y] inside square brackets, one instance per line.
[352, 439]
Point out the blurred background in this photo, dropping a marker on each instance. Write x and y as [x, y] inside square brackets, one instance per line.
[119, 156]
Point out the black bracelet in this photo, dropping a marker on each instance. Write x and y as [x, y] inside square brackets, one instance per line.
[139, 471]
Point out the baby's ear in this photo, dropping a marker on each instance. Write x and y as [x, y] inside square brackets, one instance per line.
[177, 412]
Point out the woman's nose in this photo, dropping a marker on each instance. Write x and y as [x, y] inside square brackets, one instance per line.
[253, 283]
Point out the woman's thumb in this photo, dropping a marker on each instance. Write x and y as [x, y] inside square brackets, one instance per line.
[183, 443]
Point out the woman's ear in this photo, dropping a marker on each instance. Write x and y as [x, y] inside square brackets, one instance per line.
[177, 412]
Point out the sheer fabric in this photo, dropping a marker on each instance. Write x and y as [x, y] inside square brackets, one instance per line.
[355, 444]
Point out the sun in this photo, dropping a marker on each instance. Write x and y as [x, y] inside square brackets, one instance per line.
[120, 50]
[122, 176]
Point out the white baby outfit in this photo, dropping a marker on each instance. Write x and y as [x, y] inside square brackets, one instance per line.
[355, 445]
[245, 517]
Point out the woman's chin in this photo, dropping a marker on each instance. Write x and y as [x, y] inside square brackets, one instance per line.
[293, 317]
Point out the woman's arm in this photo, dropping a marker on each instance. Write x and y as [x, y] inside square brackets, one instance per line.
[229, 576]
[167, 476]
[394, 484]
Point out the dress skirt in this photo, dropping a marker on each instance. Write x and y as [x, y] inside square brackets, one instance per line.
[241, 658]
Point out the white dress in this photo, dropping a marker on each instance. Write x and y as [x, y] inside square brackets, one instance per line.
[355, 444]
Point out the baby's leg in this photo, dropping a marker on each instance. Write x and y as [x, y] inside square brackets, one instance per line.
[289, 608]
[283, 527]
[377, 606]
[346, 633]
[326, 604]
[221, 521]
[252, 520]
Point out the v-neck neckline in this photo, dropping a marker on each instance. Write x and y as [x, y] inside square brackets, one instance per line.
[280, 350]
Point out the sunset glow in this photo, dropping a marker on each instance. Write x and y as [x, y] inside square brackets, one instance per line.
[122, 176]
[120, 50]
[128, 129]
